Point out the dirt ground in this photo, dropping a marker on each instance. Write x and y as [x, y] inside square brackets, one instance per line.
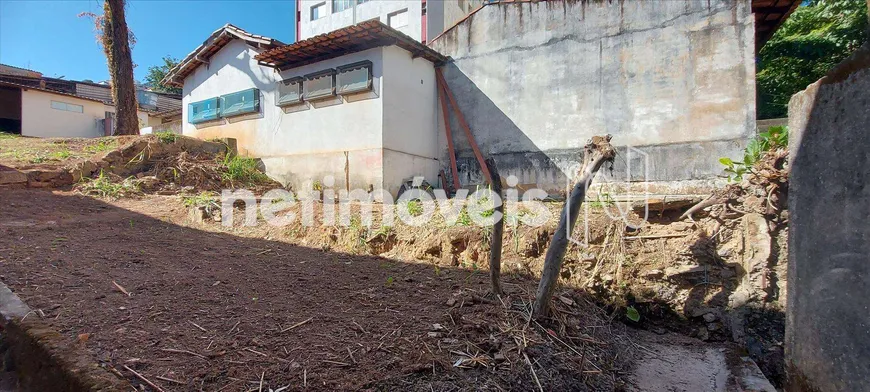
[375, 307]
[214, 311]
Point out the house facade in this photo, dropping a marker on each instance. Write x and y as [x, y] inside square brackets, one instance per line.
[38, 106]
[357, 105]
[531, 82]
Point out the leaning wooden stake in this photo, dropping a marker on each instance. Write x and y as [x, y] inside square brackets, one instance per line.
[497, 231]
[596, 152]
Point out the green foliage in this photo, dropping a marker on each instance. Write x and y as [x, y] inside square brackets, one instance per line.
[101, 145]
[241, 170]
[156, 74]
[603, 200]
[104, 187]
[814, 39]
[632, 314]
[772, 139]
[61, 155]
[40, 157]
[415, 207]
[6, 135]
[203, 199]
[167, 137]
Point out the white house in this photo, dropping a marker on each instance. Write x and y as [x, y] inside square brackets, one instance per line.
[40, 112]
[38, 106]
[357, 104]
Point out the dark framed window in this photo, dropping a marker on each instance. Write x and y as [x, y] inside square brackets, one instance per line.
[353, 78]
[289, 91]
[318, 11]
[242, 102]
[202, 111]
[319, 85]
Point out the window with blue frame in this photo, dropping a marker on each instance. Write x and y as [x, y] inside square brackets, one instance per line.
[202, 111]
[242, 102]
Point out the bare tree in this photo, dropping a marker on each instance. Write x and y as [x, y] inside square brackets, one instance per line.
[116, 38]
[497, 231]
[596, 152]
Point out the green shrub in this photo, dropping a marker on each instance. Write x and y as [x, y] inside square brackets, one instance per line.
[203, 199]
[772, 139]
[104, 187]
[101, 146]
[167, 137]
[242, 170]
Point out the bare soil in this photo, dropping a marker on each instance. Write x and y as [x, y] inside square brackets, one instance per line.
[215, 311]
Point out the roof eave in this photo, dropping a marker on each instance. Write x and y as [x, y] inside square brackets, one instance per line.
[175, 76]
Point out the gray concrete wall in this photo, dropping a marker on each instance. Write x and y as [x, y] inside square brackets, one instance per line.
[827, 343]
[536, 79]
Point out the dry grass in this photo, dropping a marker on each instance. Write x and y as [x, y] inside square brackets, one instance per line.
[26, 152]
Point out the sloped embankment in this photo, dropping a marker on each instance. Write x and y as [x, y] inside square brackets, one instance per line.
[164, 163]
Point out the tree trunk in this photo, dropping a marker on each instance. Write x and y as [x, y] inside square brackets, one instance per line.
[597, 151]
[497, 231]
[117, 47]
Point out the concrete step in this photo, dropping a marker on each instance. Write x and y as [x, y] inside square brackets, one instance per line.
[676, 363]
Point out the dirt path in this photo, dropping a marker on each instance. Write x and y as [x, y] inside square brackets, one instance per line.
[214, 311]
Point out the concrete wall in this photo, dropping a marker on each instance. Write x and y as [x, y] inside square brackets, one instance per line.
[827, 343]
[380, 9]
[535, 80]
[410, 137]
[38, 119]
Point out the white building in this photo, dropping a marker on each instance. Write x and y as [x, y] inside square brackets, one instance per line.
[38, 106]
[31, 110]
[357, 104]
[421, 20]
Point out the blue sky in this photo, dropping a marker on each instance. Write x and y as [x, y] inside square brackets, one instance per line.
[49, 37]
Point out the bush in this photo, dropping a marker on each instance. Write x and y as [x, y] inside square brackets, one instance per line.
[772, 139]
[104, 187]
[241, 170]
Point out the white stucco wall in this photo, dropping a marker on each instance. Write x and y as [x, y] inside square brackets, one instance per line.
[369, 10]
[38, 119]
[232, 69]
[302, 143]
[410, 136]
[380, 137]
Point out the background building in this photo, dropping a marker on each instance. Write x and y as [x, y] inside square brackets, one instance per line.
[419, 19]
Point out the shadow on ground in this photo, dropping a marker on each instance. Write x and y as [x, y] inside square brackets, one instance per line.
[210, 311]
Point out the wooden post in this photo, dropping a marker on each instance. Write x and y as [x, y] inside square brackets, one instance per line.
[444, 113]
[440, 77]
[497, 231]
[596, 152]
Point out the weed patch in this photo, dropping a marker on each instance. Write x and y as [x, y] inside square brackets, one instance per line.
[241, 170]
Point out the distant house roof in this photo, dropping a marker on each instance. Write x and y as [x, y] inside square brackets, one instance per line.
[355, 38]
[45, 90]
[215, 42]
[17, 71]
